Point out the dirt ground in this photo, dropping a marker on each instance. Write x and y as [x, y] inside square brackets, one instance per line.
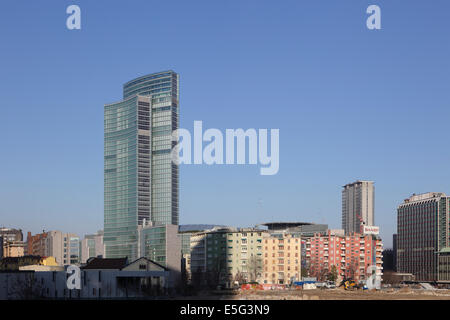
[340, 294]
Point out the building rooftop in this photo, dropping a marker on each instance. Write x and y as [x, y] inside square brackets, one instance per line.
[106, 263]
[357, 182]
[424, 196]
[284, 225]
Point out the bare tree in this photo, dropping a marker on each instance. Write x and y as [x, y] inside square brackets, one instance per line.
[254, 268]
[239, 277]
[26, 287]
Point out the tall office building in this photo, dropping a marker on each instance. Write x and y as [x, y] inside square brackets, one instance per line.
[422, 232]
[358, 206]
[141, 182]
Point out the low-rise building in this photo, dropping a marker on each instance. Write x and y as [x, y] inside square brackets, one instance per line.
[99, 279]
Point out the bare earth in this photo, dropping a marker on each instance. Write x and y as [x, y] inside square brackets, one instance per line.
[340, 294]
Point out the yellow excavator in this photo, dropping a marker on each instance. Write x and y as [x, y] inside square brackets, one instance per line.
[349, 284]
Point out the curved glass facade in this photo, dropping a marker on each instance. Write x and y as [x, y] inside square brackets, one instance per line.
[163, 88]
[141, 183]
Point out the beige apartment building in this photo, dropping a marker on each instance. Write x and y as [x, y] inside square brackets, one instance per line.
[13, 249]
[282, 259]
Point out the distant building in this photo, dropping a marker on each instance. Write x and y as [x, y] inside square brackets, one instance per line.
[394, 253]
[13, 249]
[444, 265]
[185, 232]
[162, 245]
[37, 244]
[92, 246]
[45, 264]
[100, 279]
[282, 259]
[388, 260]
[352, 255]
[227, 255]
[14, 263]
[298, 229]
[358, 206]
[9, 234]
[65, 247]
[185, 239]
[422, 232]
[11, 243]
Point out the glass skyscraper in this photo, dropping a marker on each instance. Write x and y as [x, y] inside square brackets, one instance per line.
[141, 182]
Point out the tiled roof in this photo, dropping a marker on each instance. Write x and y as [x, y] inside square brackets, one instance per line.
[106, 263]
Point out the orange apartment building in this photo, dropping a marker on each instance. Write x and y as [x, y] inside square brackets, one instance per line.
[351, 254]
[282, 259]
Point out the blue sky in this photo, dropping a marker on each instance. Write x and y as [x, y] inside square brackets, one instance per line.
[350, 103]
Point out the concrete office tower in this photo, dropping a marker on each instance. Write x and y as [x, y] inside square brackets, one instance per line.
[422, 232]
[358, 206]
[141, 182]
[65, 247]
[92, 246]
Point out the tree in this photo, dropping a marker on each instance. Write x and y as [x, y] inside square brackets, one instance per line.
[26, 287]
[333, 274]
[304, 272]
[254, 268]
[239, 277]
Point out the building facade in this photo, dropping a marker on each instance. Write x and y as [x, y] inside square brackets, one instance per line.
[36, 244]
[141, 279]
[141, 182]
[185, 239]
[444, 265]
[13, 249]
[351, 255]
[358, 206]
[92, 246]
[282, 259]
[11, 243]
[64, 247]
[227, 255]
[162, 245]
[422, 231]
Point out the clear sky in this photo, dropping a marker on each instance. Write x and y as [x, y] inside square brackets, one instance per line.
[350, 103]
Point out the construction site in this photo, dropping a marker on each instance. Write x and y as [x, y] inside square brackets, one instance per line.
[346, 290]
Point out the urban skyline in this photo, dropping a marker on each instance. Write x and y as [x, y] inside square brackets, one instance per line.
[380, 85]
